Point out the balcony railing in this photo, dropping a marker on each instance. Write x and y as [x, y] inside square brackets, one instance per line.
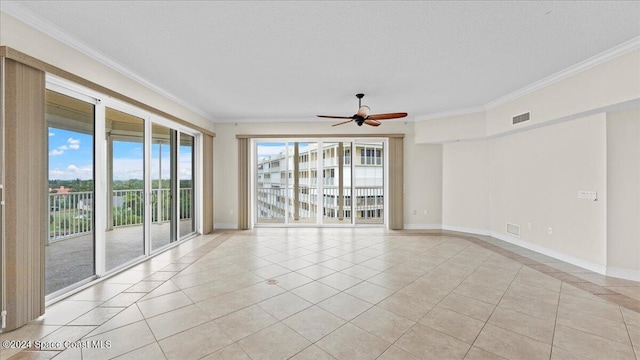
[71, 214]
[369, 203]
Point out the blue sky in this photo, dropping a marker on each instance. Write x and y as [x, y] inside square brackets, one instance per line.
[71, 157]
[266, 149]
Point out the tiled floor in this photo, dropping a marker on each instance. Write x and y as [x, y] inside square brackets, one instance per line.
[343, 294]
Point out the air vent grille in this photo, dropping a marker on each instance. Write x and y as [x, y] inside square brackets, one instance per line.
[521, 118]
[513, 229]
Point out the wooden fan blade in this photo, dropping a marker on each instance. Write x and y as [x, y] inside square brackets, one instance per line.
[372, 122]
[342, 123]
[335, 117]
[387, 116]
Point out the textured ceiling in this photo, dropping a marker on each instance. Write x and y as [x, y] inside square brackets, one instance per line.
[246, 60]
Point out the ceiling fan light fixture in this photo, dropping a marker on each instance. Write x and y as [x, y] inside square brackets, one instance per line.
[363, 112]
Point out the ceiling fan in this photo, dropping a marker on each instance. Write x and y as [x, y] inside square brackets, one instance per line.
[363, 116]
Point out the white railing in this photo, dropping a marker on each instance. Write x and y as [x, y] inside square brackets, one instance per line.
[369, 203]
[71, 214]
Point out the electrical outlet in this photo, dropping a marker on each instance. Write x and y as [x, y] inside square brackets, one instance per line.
[415, 212]
[529, 226]
[426, 212]
[230, 212]
[550, 230]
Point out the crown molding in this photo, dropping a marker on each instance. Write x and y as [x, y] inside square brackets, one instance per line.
[598, 59]
[591, 62]
[14, 9]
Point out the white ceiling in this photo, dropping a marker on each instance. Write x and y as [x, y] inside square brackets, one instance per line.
[253, 60]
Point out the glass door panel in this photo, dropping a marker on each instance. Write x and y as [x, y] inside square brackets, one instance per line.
[124, 237]
[369, 182]
[162, 186]
[270, 187]
[70, 245]
[336, 182]
[186, 225]
[303, 182]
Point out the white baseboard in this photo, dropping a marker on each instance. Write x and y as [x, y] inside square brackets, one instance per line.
[422, 226]
[225, 226]
[585, 264]
[621, 273]
[466, 230]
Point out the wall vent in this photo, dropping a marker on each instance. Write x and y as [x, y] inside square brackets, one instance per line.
[513, 229]
[521, 118]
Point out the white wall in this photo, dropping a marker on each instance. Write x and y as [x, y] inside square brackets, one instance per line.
[423, 167]
[465, 186]
[21, 37]
[623, 192]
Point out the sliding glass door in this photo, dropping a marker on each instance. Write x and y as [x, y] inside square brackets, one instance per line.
[319, 182]
[124, 237]
[122, 185]
[70, 243]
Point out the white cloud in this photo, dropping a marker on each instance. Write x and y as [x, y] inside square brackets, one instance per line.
[56, 152]
[74, 144]
[62, 147]
[52, 134]
[72, 172]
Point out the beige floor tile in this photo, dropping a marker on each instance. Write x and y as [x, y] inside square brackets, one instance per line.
[151, 351]
[383, 324]
[605, 310]
[369, 292]
[145, 286]
[312, 353]
[292, 280]
[427, 343]
[175, 321]
[352, 343]
[360, 272]
[534, 292]
[161, 276]
[392, 281]
[631, 317]
[122, 340]
[284, 305]
[260, 291]
[316, 257]
[64, 312]
[123, 300]
[97, 316]
[245, 322]
[100, 292]
[406, 306]
[164, 303]
[223, 286]
[314, 323]
[195, 343]
[231, 352]
[511, 345]
[315, 272]
[65, 333]
[562, 354]
[396, 353]
[630, 291]
[340, 281]
[609, 329]
[336, 264]
[224, 304]
[467, 306]
[528, 306]
[476, 353]
[128, 277]
[315, 292]
[452, 323]
[274, 342]
[127, 316]
[72, 354]
[523, 324]
[478, 292]
[270, 271]
[166, 288]
[589, 346]
[345, 306]
[35, 355]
